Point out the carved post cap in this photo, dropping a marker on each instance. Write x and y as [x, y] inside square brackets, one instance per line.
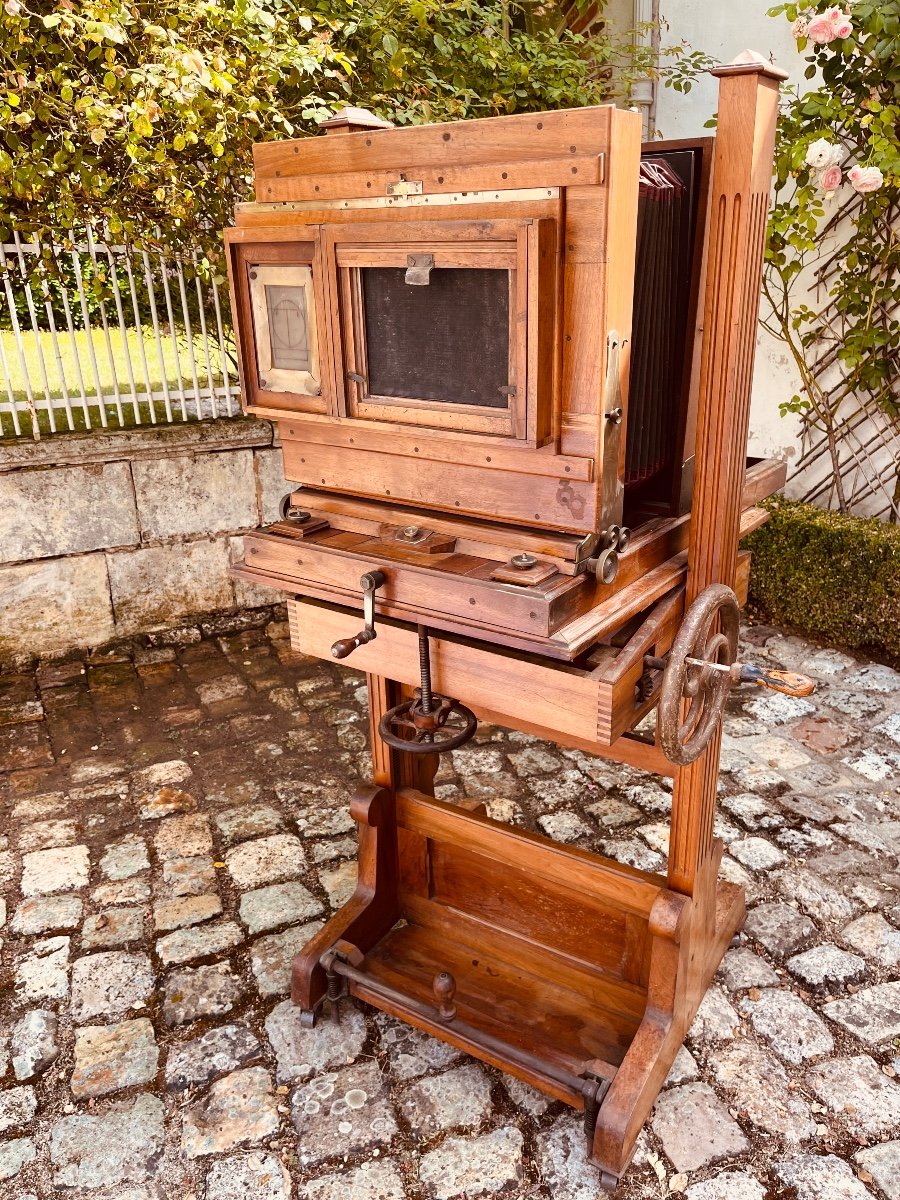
[750, 62]
[351, 119]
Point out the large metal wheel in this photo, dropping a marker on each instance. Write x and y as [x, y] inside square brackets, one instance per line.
[708, 634]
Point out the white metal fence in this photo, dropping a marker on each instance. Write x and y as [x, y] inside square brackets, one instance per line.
[96, 335]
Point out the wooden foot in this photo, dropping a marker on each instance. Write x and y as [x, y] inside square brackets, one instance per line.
[372, 909]
[685, 957]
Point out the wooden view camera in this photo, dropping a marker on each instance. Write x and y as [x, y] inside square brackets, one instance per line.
[445, 322]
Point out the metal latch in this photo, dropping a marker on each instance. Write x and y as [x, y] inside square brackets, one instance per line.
[611, 488]
[405, 187]
[418, 269]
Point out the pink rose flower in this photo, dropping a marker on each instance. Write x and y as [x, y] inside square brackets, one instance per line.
[866, 179]
[834, 15]
[842, 28]
[830, 179]
[820, 30]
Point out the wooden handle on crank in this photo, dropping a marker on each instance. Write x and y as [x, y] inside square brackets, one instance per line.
[789, 683]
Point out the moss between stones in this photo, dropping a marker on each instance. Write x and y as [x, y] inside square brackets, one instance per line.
[829, 575]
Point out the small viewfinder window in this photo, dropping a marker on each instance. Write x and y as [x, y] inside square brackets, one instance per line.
[447, 341]
[288, 327]
[284, 325]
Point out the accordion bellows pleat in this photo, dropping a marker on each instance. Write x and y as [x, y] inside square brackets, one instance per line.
[666, 219]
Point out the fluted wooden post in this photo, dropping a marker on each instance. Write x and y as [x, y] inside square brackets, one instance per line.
[741, 185]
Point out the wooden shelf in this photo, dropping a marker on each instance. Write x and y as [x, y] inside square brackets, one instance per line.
[525, 1010]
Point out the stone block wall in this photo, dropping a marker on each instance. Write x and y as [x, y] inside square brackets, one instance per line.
[108, 535]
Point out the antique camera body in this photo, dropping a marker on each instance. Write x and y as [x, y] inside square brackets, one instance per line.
[445, 322]
[439, 319]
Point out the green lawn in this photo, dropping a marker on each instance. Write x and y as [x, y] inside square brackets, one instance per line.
[111, 369]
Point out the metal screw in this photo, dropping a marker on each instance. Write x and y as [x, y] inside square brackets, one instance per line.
[522, 562]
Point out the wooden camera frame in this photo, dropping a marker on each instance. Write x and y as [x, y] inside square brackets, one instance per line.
[486, 542]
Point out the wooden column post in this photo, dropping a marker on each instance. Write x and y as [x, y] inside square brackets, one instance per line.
[742, 177]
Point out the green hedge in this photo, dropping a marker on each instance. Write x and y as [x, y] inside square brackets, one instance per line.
[830, 575]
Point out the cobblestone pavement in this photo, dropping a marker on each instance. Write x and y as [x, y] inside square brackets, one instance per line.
[174, 825]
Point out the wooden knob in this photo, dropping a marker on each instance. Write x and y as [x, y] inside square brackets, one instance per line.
[444, 987]
[789, 683]
[344, 647]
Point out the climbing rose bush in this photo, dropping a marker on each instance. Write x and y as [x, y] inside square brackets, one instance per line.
[833, 262]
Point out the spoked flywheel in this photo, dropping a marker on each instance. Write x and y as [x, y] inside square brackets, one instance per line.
[428, 723]
[698, 670]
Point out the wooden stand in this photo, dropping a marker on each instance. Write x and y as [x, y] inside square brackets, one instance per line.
[574, 973]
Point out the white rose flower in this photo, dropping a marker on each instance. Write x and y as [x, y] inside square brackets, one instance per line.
[822, 154]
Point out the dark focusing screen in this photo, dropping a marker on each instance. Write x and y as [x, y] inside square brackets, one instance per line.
[446, 341]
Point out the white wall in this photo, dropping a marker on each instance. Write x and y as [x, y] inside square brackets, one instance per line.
[723, 30]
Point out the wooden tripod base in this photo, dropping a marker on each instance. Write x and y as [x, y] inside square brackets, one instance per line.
[574, 973]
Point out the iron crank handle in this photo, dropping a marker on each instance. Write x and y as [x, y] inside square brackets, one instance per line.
[370, 583]
[789, 683]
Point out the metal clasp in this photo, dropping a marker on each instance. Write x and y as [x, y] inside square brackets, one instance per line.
[405, 187]
[418, 269]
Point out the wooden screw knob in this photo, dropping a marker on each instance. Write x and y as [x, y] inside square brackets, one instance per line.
[444, 986]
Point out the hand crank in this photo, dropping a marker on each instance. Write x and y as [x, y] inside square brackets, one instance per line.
[370, 583]
[698, 672]
[789, 683]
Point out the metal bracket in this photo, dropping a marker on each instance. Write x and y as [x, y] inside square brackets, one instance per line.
[594, 1091]
[418, 269]
[289, 511]
[612, 491]
[586, 548]
[405, 187]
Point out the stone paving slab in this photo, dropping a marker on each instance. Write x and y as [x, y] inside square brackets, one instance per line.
[174, 825]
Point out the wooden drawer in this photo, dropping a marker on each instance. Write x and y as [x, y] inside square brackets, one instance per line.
[585, 707]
